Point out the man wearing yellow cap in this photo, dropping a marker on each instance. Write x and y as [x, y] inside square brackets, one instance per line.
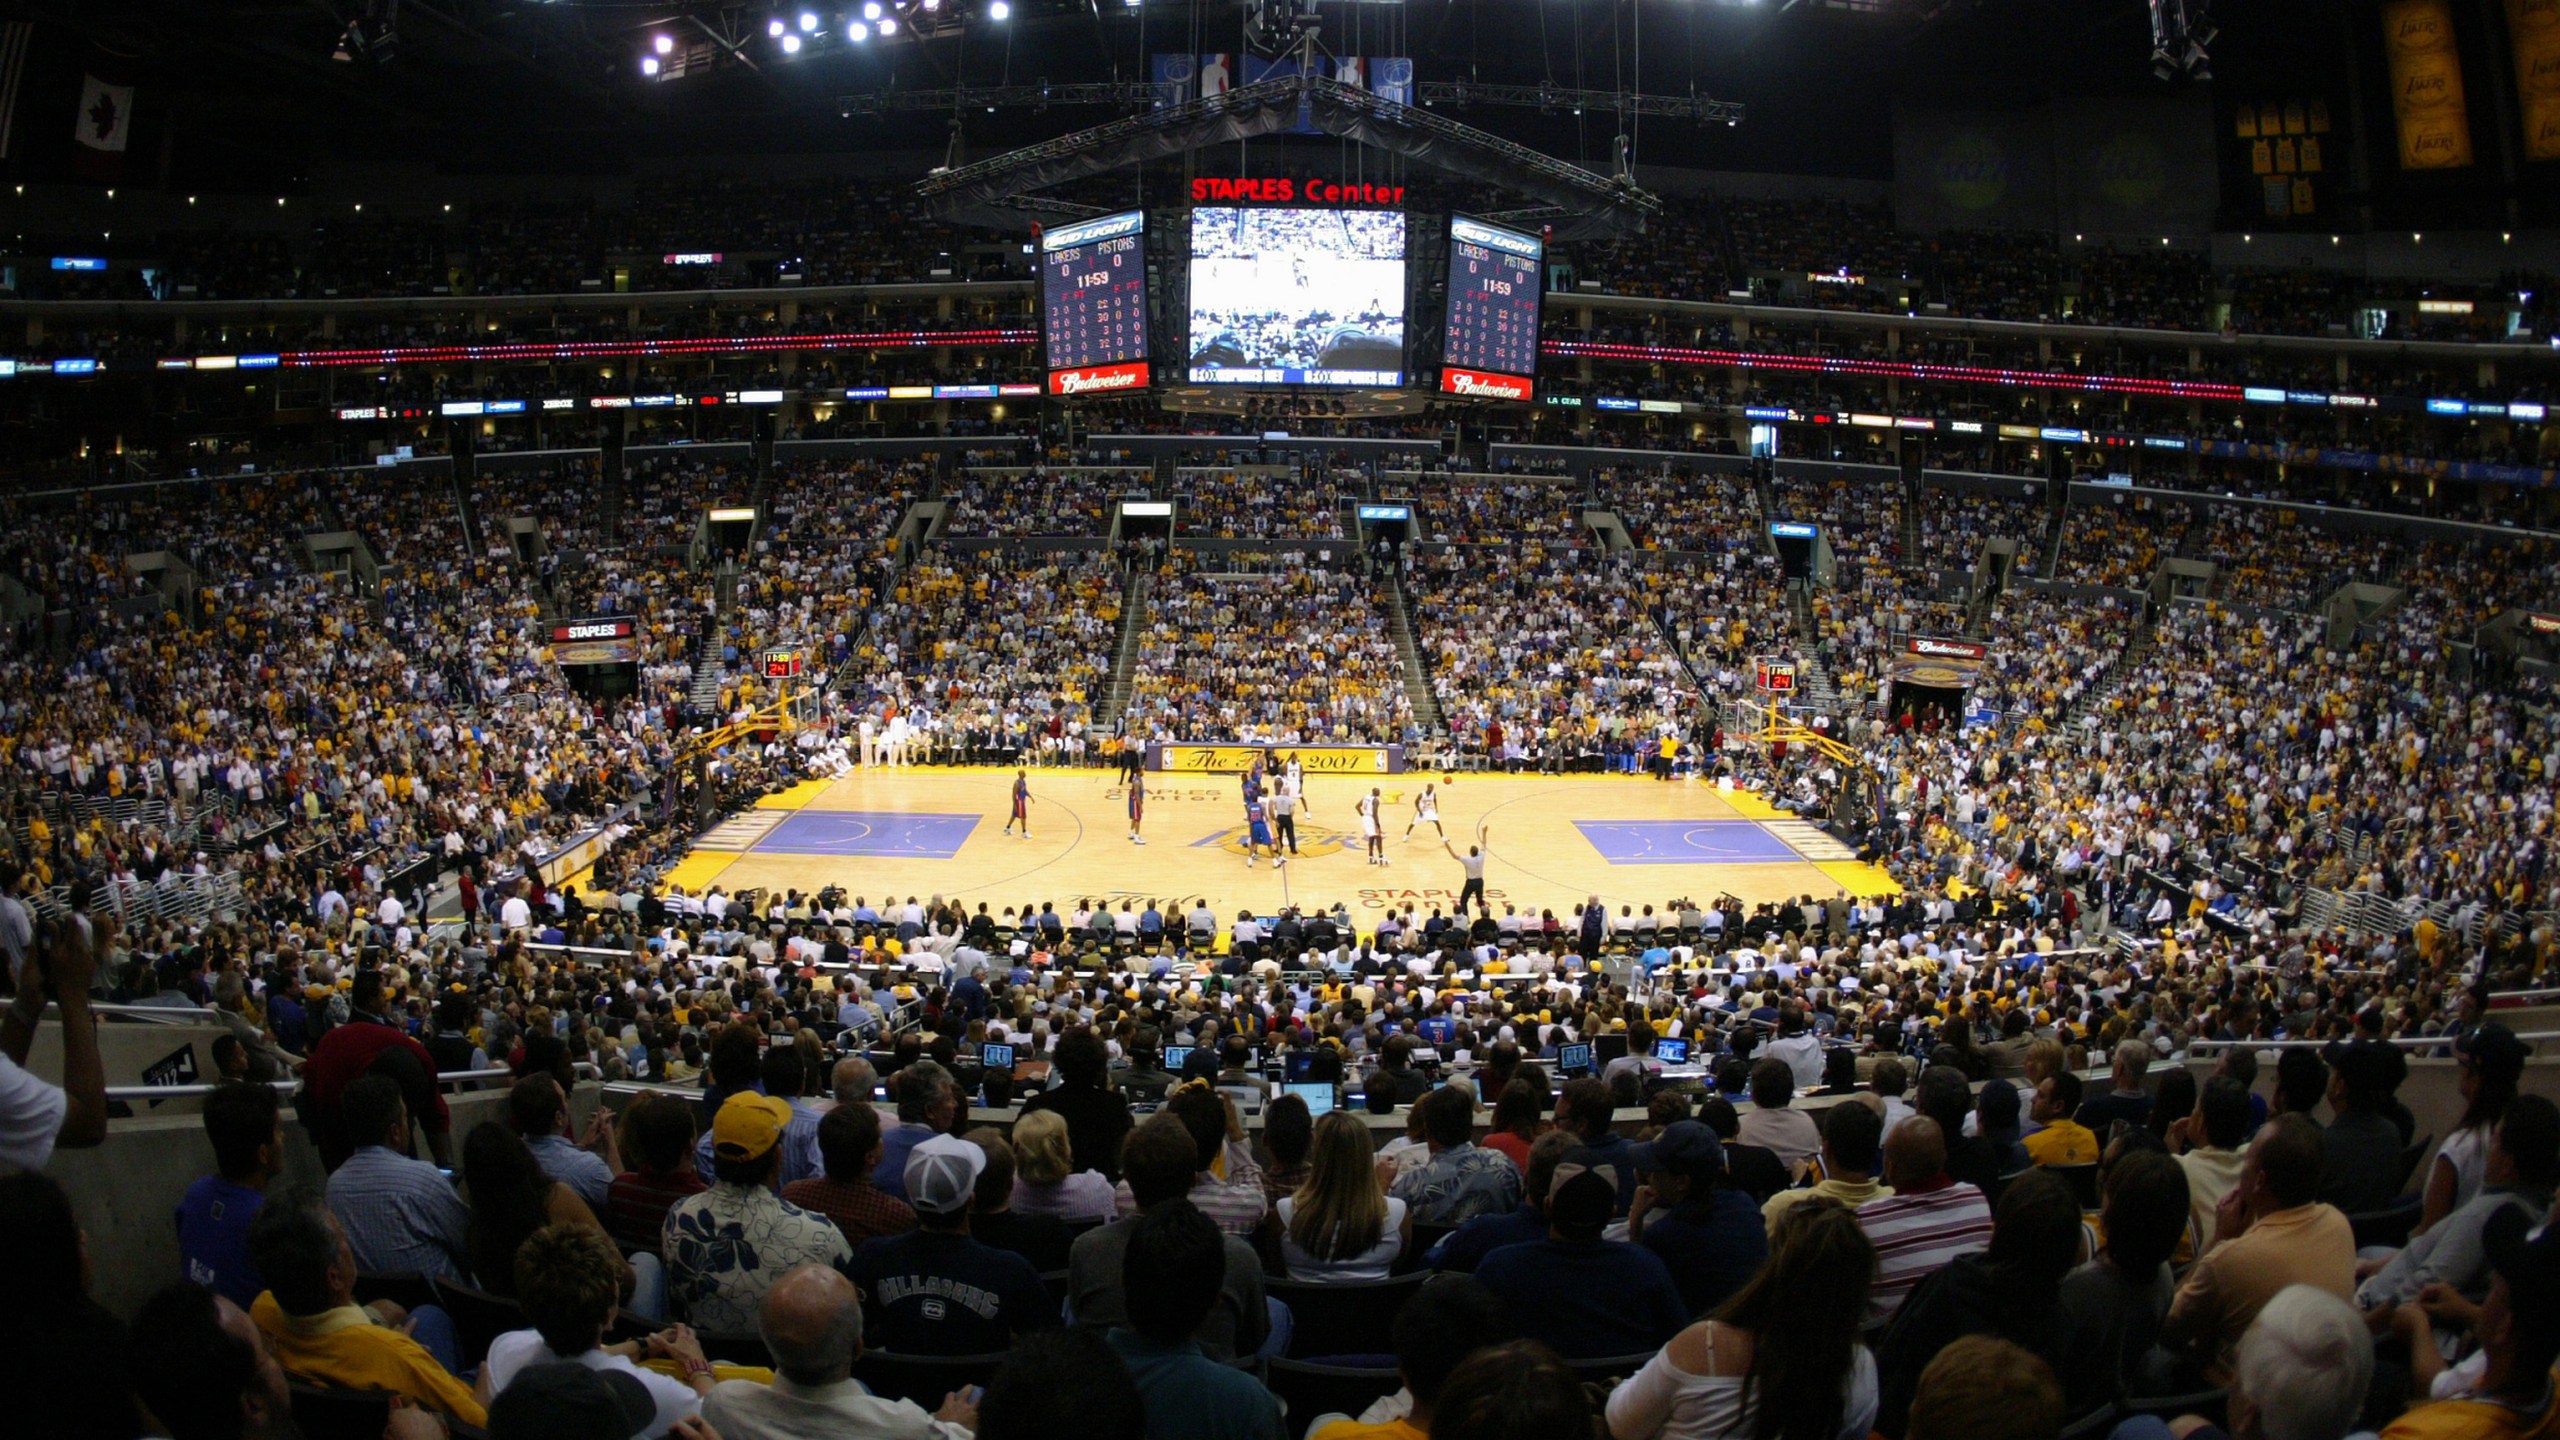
[728, 1245]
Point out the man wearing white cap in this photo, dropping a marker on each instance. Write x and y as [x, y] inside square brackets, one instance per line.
[934, 1290]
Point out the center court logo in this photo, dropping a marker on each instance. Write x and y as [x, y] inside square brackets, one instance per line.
[1312, 841]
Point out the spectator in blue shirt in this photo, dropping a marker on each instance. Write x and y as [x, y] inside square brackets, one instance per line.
[539, 1111]
[927, 1099]
[213, 1219]
[1589, 1298]
[399, 1213]
[1174, 1269]
[1586, 1108]
[1711, 1236]
[1465, 1247]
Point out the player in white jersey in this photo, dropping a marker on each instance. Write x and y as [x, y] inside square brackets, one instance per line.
[1372, 832]
[1426, 811]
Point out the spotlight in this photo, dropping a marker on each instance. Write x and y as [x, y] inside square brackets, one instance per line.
[888, 26]
[857, 32]
[664, 44]
[871, 9]
[790, 44]
[999, 11]
[808, 22]
[648, 64]
[774, 27]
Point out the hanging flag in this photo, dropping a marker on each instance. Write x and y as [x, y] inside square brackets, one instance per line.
[14, 38]
[106, 115]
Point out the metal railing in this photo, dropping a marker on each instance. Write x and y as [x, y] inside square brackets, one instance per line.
[2405, 1042]
[284, 1088]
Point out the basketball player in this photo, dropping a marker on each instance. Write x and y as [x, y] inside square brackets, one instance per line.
[1371, 831]
[1474, 861]
[1137, 806]
[1426, 810]
[1021, 804]
[1295, 773]
[1285, 803]
[1257, 836]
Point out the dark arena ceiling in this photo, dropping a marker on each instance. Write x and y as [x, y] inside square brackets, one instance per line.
[251, 96]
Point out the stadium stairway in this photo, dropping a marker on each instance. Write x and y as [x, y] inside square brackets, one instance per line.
[472, 536]
[1417, 680]
[1124, 659]
[2113, 676]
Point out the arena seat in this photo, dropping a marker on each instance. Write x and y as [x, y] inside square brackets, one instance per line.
[2390, 1225]
[405, 1288]
[924, 1379]
[1311, 1389]
[1339, 1320]
[479, 1317]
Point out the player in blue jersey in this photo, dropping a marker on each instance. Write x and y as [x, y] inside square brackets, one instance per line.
[1257, 836]
[1021, 804]
[1137, 805]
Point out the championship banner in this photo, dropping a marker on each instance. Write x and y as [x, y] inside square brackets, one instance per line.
[2533, 32]
[1940, 664]
[2426, 85]
[1315, 759]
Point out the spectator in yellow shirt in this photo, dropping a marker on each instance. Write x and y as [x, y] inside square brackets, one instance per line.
[2062, 1140]
[319, 1333]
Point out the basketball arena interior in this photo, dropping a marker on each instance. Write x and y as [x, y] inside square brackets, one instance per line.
[1289, 720]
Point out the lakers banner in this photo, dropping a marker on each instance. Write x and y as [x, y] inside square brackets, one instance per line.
[1314, 759]
[2426, 85]
[1943, 664]
[2533, 32]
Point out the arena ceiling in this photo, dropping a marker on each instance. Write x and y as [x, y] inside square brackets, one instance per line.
[249, 94]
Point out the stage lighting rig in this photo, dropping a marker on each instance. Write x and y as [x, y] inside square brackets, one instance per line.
[372, 31]
[2180, 31]
[1274, 27]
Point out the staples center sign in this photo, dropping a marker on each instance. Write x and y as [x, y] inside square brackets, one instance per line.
[1093, 379]
[1217, 189]
[1483, 384]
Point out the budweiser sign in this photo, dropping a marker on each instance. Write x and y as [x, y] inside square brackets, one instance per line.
[1944, 649]
[1098, 377]
[1484, 384]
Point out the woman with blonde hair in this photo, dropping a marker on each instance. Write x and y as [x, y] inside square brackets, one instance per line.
[1340, 1226]
[1778, 1361]
[1045, 1178]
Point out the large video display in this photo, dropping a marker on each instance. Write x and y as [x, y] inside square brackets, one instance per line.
[1286, 296]
[1093, 301]
[1493, 311]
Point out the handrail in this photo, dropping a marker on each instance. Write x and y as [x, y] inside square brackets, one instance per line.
[2408, 1042]
[585, 1071]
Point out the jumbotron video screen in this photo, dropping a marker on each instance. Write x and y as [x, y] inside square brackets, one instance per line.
[1284, 296]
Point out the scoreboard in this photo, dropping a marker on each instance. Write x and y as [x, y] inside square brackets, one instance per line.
[1494, 277]
[1093, 296]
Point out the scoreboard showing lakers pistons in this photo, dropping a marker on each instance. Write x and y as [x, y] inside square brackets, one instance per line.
[1492, 350]
[1093, 295]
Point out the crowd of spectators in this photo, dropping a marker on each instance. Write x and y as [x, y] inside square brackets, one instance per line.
[980, 650]
[1234, 504]
[1276, 648]
[1540, 657]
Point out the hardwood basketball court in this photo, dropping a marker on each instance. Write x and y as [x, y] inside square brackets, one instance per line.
[1630, 839]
